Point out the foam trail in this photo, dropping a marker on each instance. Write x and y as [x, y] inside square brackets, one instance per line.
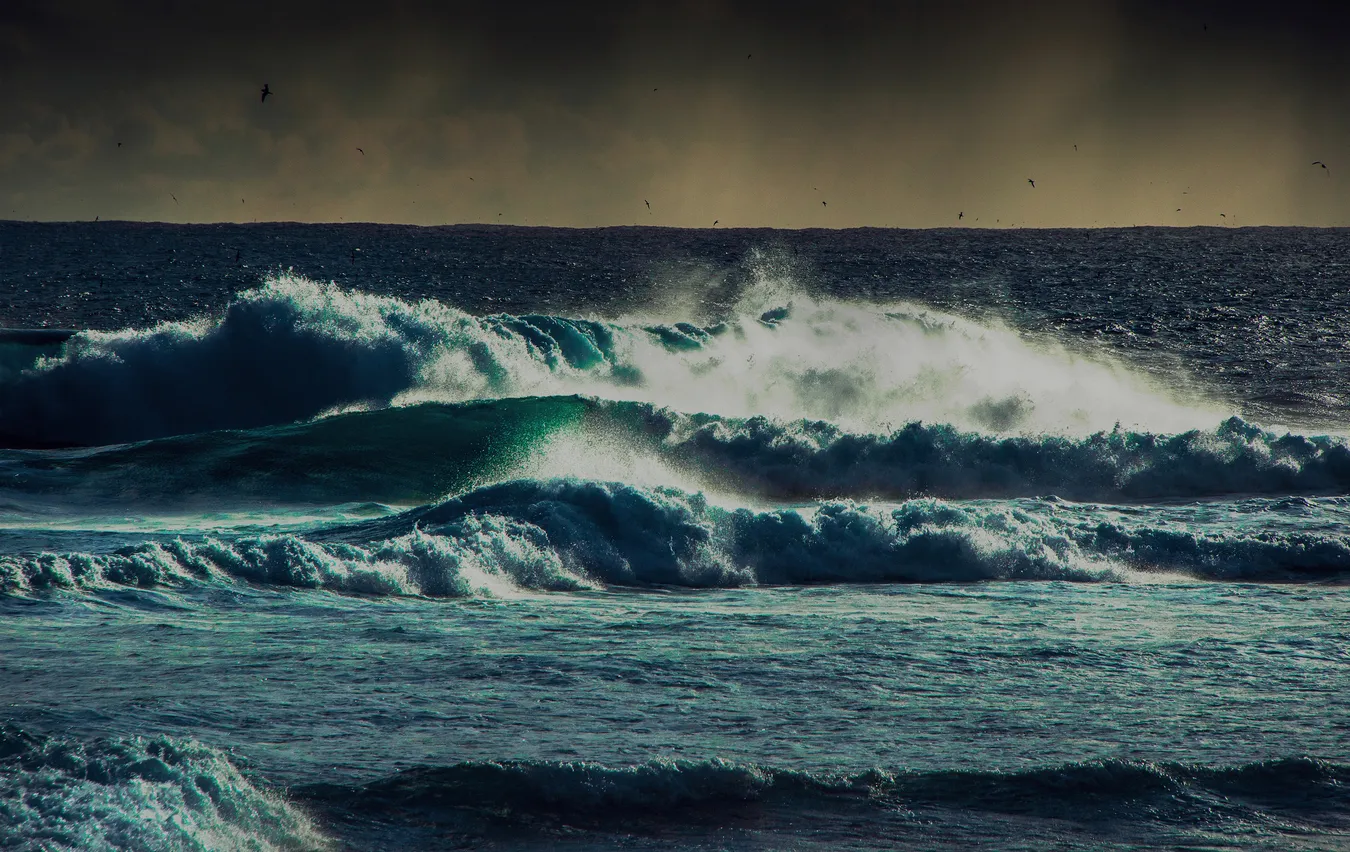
[568, 535]
[293, 349]
[138, 793]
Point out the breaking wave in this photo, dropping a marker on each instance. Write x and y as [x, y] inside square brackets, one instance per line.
[569, 535]
[293, 349]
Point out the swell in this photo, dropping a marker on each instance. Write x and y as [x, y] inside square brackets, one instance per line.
[570, 535]
[522, 791]
[292, 350]
[415, 454]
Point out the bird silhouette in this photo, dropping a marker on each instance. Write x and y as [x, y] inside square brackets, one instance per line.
[362, 150]
[1032, 182]
[1221, 216]
[1178, 209]
[174, 197]
[119, 144]
[1075, 147]
[266, 90]
[823, 204]
[1320, 163]
[715, 221]
[960, 216]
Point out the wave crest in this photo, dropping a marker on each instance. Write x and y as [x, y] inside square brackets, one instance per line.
[293, 349]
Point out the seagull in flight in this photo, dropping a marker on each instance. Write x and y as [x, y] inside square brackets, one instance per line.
[715, 221]
[648, 203]
[960, 216]
[174, 197]
[1032, 182]
[362, 150]
[823, 204]
[1320, 163]
[266, 90]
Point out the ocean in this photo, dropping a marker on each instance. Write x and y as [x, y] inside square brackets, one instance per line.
[366, 537]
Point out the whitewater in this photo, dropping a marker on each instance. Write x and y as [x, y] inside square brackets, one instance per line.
[537, 538]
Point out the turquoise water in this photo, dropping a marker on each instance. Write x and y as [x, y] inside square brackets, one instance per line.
[877, 556]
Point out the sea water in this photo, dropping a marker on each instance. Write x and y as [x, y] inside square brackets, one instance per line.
[369, 537]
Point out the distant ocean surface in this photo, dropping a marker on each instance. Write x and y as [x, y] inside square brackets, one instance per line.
[370, 537]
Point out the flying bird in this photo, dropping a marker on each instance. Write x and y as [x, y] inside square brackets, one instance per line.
[1032, 182]
[960, 216]
[1075, 146]
[266, 90]
[119, 144]
[823, 204]
[174, 197]
[362, 150]
[1320, 163]
[648, 203]
[715, 221]
[1178, 209]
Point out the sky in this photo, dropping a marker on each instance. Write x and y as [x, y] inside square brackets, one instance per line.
[778, 114]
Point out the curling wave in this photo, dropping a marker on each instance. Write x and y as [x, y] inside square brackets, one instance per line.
[416, 454]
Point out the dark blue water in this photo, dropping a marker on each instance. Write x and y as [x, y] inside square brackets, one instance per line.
[374, 537]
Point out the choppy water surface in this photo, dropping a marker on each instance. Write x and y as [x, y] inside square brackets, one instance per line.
[513, 538]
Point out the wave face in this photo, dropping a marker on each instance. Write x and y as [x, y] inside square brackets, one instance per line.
[293, 349]
[569, 535]
[138, 793]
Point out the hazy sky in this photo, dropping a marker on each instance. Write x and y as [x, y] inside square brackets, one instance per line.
[750, 113]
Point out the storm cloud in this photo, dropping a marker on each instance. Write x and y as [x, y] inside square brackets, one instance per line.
[750, 113]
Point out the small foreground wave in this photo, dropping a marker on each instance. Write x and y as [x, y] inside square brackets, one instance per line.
[1086, 792]
[164, 793]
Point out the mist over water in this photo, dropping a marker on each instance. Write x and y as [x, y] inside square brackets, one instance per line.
[738, 556]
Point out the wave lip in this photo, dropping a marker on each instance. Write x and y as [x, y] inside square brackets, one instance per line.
[137, 793]
[563, 535]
